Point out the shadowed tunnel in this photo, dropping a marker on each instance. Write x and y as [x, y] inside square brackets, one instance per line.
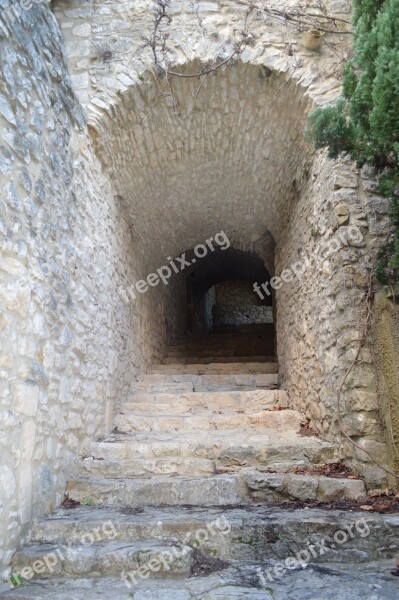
[235, 160]
[221, 298]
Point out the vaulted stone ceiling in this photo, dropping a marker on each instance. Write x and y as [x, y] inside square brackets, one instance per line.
[233, 160]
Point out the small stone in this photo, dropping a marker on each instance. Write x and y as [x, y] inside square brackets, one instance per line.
[25, 397]
[6, 111]
[7, 481]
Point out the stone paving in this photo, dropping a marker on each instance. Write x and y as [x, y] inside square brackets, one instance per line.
[191, 497]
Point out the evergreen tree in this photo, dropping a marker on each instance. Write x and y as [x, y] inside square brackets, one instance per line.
[365, 122]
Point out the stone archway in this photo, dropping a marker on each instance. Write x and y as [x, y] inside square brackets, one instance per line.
[90, 215]
[236, 160]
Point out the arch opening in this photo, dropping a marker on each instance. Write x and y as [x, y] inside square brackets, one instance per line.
[221, 297]
[234, 161]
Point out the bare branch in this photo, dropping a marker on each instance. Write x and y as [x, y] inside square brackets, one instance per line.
[302, 17]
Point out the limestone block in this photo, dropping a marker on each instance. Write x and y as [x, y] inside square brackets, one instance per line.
[25, 474]
[373, 475]
[361, 423]
[263, 481]
[7, 482]
[25, 397]
[18, 299]
[362, 401]
[336, 489]
[377, 450]
[6, 361]
[83, 30]
[12, 267]
[345, 179]
[301, 488]
[342, 214]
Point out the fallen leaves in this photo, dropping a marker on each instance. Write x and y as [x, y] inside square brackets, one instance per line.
[334, 470]
[381, 500]
[69, 503]
[307, 431]
[375, 507]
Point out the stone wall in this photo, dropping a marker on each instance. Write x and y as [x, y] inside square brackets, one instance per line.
[385, 337]
[70, 343]
[332, 236]
[88, 211]
[234, 157]
[237, 304]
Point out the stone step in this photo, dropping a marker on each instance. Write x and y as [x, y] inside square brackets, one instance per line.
[228, 351]
[225, 378]
[221, 338]
[216, 368]
[277, 449]
[192, 402]
[105, 557]
[167, 386]
[206, 360]
[205, 383]
[220, 490]
[250, 533]
[241, 581]
[220, 345]
[231, 337]
[206, 421]
[148, 467]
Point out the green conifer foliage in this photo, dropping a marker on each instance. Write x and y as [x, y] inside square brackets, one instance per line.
[365, 122]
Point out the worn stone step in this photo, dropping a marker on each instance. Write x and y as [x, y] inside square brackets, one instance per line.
[227, 448]
[220, 341]
[148, 467]
[99, 558]
[241, 581]
[266, 419]
[204, 383]
[248, 330]
[217, 368]
[228, 351]
[243, 488]
[227, 337]
[170, 386]
[250, 533]
[180, 402]
[191, 360]
[158, 491]
[228, 378]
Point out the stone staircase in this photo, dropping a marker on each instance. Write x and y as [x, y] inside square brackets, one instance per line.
[193, 496]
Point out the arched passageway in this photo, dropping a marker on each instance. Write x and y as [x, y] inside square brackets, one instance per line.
[82, 232]
[221, 297]
[235, 161]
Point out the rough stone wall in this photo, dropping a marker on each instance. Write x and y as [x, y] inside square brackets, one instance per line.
[75, 231]
[199, 319]
[104, 40]
[236, 304]
[386, 339]
[70, 344]
[238, 142]
[332, 237]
